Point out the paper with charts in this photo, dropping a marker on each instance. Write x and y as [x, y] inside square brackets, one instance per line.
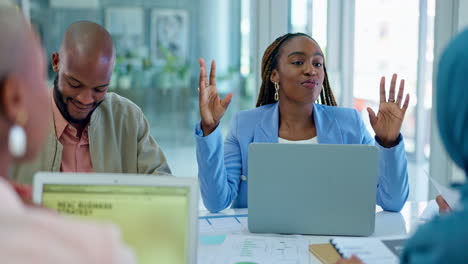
[243, 249]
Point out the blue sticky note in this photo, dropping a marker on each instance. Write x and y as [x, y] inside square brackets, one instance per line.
[212, 240]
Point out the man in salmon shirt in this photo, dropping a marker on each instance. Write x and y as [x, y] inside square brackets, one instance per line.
[93, 130]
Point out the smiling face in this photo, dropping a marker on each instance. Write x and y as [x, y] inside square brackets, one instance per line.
[81, 84]
[84, 68]
[299, 71]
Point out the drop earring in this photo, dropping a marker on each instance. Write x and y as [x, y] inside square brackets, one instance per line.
[17, 136]
[276, 91]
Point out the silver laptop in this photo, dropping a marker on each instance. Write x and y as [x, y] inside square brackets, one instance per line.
[312, 189]
[157, 215]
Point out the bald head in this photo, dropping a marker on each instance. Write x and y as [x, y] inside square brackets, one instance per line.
[85, 39]
[84, 68]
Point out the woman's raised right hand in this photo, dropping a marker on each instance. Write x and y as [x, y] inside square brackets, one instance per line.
[212, 108]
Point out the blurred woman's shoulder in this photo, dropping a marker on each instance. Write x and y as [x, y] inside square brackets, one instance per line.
[442, 240]
[46, 237]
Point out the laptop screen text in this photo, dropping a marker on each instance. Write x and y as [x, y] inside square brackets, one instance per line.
[154, 220]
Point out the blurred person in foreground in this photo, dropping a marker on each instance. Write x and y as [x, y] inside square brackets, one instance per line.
[28, 234]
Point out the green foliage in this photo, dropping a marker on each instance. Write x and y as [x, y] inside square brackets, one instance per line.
[173, 63]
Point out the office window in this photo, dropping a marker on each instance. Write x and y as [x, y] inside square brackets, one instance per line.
[391, 39]
[387, 41]
[158, 44]
[426, 90]
[310, 17]
[299, 16]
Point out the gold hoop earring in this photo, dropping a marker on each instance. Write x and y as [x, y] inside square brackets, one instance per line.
[276, 91]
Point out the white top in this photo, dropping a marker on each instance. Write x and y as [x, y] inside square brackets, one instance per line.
[306, 141]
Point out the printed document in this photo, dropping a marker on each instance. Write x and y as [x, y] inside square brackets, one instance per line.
[259, 250]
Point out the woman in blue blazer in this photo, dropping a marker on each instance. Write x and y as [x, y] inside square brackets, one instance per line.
[293, 78]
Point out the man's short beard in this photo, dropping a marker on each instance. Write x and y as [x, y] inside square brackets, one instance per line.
[62, 105]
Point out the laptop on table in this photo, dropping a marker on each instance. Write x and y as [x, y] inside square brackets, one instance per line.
[313, 189]
[157, 215]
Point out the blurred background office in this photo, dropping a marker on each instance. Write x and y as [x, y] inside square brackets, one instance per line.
[159, 42]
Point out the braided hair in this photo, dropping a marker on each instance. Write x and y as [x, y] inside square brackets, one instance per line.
[270, 62]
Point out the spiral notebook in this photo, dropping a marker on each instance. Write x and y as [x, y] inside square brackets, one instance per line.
[370, 250]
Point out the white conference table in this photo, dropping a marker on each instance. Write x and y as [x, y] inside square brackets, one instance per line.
[388, 225]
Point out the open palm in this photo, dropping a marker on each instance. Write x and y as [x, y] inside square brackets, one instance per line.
[212, 108]
[387, 123]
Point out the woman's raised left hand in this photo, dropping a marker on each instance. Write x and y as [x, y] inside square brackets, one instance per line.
[387, 123]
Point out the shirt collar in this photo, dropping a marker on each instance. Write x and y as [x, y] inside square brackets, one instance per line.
[59, 121]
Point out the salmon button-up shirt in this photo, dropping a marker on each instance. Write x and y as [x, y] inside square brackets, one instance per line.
[75, 154]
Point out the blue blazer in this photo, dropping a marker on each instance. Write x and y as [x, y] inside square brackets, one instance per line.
[223, 172]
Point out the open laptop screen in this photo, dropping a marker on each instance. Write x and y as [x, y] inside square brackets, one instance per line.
[154, 220]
